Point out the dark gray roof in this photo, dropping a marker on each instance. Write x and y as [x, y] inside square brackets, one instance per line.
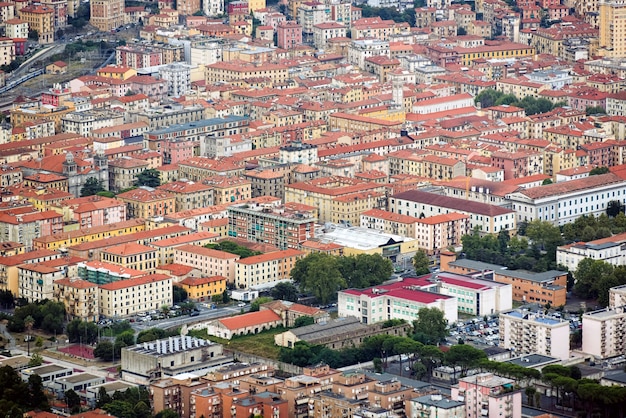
[546, 276]
[619, 377]
[477, 265]
[532, 360]
[327, 329]
[438, 401]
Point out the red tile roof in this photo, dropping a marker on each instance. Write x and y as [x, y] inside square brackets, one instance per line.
[250, 319]
[138, 281]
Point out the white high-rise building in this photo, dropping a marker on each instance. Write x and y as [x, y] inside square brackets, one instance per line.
[530, 333]
[213, 8]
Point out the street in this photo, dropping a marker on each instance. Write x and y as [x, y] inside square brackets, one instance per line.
[203, 315]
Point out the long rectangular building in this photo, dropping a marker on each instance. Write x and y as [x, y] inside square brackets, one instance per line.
[489, 219]
[562, 203]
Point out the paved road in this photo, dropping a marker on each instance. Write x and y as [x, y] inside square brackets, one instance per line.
[204, 314]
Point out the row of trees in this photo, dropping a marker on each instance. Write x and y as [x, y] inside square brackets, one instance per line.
[111, 349]
[233, 248]
[47, 315]
[17, 396]
[323, 275]
[534, 248]
[149, 178]
[532, 106]
[588, 228]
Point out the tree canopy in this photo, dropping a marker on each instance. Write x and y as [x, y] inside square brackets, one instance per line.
[148, 177]
[421, 263]
[594, 278]
[430, 327]
[91, 187]
[285, 291]
[233, 248]
[531, 105]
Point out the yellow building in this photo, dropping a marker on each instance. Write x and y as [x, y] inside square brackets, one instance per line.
[41, 19]
[326, 194]
[201, 289]
[146, 202]
[117, 72]
[498, 50]
[348, 208]
[346, 122]
[254, 5]
[266, 268]
[9, 267]
[131, 255]
[20, 116]
[215, 226]
[227, 190]
[80, 298]
[612, 26]
[140, 294]
[107, 15]
[67, 239]
[165, 247]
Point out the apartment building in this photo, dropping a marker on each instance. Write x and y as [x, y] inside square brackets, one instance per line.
[605, 330]
[200, 168]
[529, 287]
[41, 19]
[210, 262]
[284, 226]
[9, 267]
[289, 34]
[391, 223]
[80, 298]
[165, 247]
[266, 183]
[489, 219]
[107, 15]
[92, 211]
[236, 72]
[131, 256]
[488, 395]
[189, 195]
[229, 190]
[265, 270]
[129, 297]
[324, 192]
[526, 332]
[399, 300]
[123, 172]
[146, 202]
[437, 233]
[562, 203]
[36, 280]
[25, 227]
[99, 272]
[611, 250]
[323, 32]
[202, 289]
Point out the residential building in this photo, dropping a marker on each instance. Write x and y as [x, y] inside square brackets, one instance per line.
[9, 267]
[489, 219]
[16, 28]
[146, 202]
[41, 19]
[266, 183]
[36, 280]
[202, 289]
[564, 202]
[123, 172]
[323, 32]
[131, 256]
[486, 394]
[107, 15]
[80, 298]
[297, 152]
[265, 270]
[435, 406]
[99, 272]
[611, 14]
[129, 297]
[398, 300]
[92, 211]
[604, 332]
[210, 262]
[165, 247]
[284, 226]
[526, 332]
[228, 190]
[289, 34]
[610, 250]
[25, 227]
[391, 223]
[178, 77]
[189, 195]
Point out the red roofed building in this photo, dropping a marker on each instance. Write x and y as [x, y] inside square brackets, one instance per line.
[249, 323]
[290, 311]
[79, 296]
[131, 255]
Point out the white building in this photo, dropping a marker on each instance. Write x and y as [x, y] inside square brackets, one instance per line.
[611, 250]
[213, 8]
[530, 333]
[178, 77]
[488, 395]
[83, 123]
[419, 204]
[132, 296]
[322, 32]
[298, 153]
[552, 79]
[205, 53]
[435, 406]
[440, 104]
[400, 300]
[361, 49]
[218, 147]
[605, 332]
[562, 203]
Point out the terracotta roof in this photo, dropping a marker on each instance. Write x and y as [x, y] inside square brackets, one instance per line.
[130, 248]
[455, 204]
[565, 187]
[75, 282]
[250, 319]
[197, 281]
[206, 252]
[277, 255]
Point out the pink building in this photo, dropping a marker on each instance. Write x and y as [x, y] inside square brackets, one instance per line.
[93, 211]
[289, 35]
[177, 150]
[138, 57]
[275, 19]
[488, 395]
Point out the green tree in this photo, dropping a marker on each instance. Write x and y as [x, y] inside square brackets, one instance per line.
[598, 170]
[53, 314]
[149, 177]
[103, 398]
[303, 321]
[106, 193]
[487, 98]
[35, 360]
[179, 294]
[595, 110]
[167, 413]
[464, 356]
[365, 270]
[421, 263]
[319, 274]
[225, 297]
[73, 401]
[104, 350]
[546, 182]
[256, 303]
[91, 187]
[430, 327]
[285, 291]
[544, 236]
[588, 275]
[33, 35]
[37, 398]
[614, 207]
